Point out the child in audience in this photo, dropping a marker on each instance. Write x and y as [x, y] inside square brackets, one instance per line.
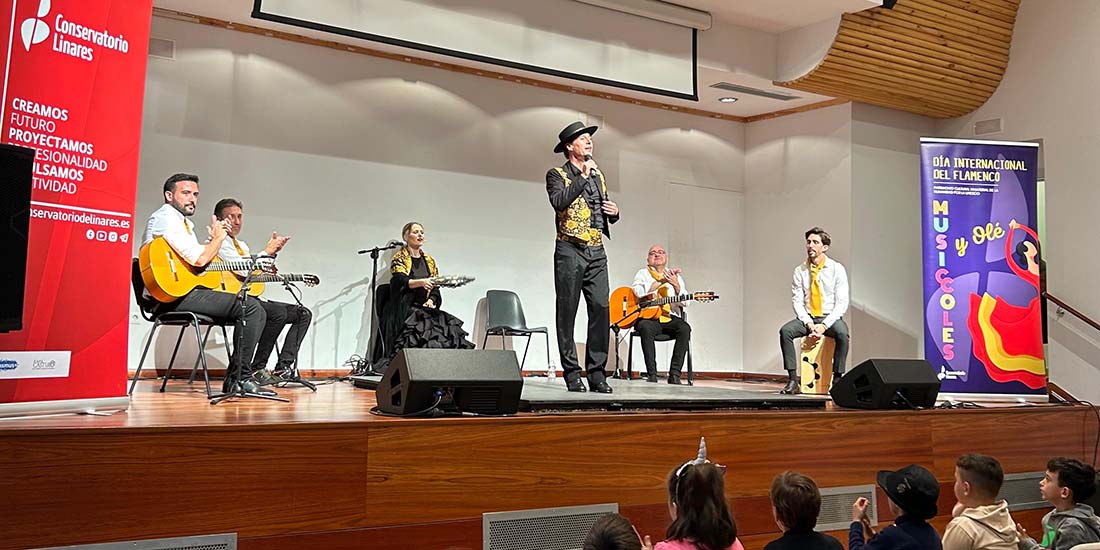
[796, 503]
[981, 522]
[613, 532]
[912, 493]
[701, 517]
[1066, 483]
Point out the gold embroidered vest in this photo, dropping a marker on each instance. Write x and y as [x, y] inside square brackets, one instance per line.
[575, 222]
[403, 263]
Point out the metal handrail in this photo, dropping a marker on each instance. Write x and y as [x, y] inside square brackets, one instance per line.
[1062, 305]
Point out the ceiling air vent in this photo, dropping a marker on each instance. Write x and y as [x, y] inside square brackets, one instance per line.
[739, 89]
[162, 48]
[991, 126]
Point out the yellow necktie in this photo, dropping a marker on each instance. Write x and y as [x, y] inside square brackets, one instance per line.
[662, 292]
[186, 226]
[815, 290]
[238, 247]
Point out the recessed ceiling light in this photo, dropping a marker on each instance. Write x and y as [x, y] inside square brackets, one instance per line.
[727, 99]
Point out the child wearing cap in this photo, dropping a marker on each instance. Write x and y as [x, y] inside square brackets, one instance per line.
[912, 492]
[1066, 483]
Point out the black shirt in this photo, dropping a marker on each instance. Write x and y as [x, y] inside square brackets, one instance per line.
[804, 540]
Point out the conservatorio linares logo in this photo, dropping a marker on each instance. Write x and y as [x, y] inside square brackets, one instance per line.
[69, 38]
[35, 30]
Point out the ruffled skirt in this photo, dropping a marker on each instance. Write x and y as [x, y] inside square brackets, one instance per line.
[432, 328]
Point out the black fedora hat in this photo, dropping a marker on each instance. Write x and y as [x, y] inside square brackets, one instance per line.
[571, 132]
[913, 488]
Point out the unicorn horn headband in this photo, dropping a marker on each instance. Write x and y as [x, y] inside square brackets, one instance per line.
[702, 458]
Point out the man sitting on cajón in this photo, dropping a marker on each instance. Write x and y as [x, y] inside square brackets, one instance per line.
[819, 294]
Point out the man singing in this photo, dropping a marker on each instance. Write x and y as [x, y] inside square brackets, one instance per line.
[584, 215]
[819, 294]
[657, 278]
[279, 314]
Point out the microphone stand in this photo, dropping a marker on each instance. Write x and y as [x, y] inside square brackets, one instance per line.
[237, 388]
[292, 375]
[367, 369]
[619, 340]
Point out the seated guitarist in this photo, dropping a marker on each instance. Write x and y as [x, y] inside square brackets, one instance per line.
[181, 196]
[279, 314]
[659, 279]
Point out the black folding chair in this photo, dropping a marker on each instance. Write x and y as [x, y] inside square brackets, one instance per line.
[148, 308]
[658, 338]
[504, 317]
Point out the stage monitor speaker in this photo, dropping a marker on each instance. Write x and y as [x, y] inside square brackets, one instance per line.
[475, 381]
[16, 177]
[888, 384]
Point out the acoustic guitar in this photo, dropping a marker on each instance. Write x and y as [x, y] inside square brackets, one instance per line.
[231, 282]
[625, 308]
[168, 277]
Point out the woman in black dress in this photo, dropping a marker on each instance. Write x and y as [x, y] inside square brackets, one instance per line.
[412, 317]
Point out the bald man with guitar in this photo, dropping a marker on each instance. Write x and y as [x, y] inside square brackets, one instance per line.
[663, 281]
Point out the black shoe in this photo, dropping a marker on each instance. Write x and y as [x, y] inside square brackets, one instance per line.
[674, 378]
[600, 387]
[792, 388]
[651, 378]
[251, 386]
[575, 385]
[264, 378]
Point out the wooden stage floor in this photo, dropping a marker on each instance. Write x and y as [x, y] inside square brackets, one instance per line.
[323, 472]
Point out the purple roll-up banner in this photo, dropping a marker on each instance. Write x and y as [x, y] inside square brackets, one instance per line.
[982, 266]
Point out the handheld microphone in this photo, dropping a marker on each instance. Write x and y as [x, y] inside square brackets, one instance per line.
[599, 188]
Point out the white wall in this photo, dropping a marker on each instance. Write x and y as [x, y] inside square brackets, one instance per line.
[1049, 92]
[339, 150]
[798, 174]
[886, 281]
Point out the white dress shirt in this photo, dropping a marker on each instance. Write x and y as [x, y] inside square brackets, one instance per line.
[834, 291]
[169, 223]
[643, 280]
[228, 253]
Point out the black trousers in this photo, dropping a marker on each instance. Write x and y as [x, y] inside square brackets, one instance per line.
[797, 329]
[581, 269]
[248, 322]
[278, 316]
[677, 328]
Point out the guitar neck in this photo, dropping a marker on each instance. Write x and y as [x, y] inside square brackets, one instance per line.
[234, 265]
[269, 278]
[670, 300]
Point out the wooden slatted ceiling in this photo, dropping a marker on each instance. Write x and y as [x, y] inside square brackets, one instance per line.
[940, 58]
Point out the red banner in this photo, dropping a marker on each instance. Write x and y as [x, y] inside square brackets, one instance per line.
[73, 84]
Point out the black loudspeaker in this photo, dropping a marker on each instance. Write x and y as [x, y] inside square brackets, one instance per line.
[477, 381]
[888, 384]
[16, 177]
